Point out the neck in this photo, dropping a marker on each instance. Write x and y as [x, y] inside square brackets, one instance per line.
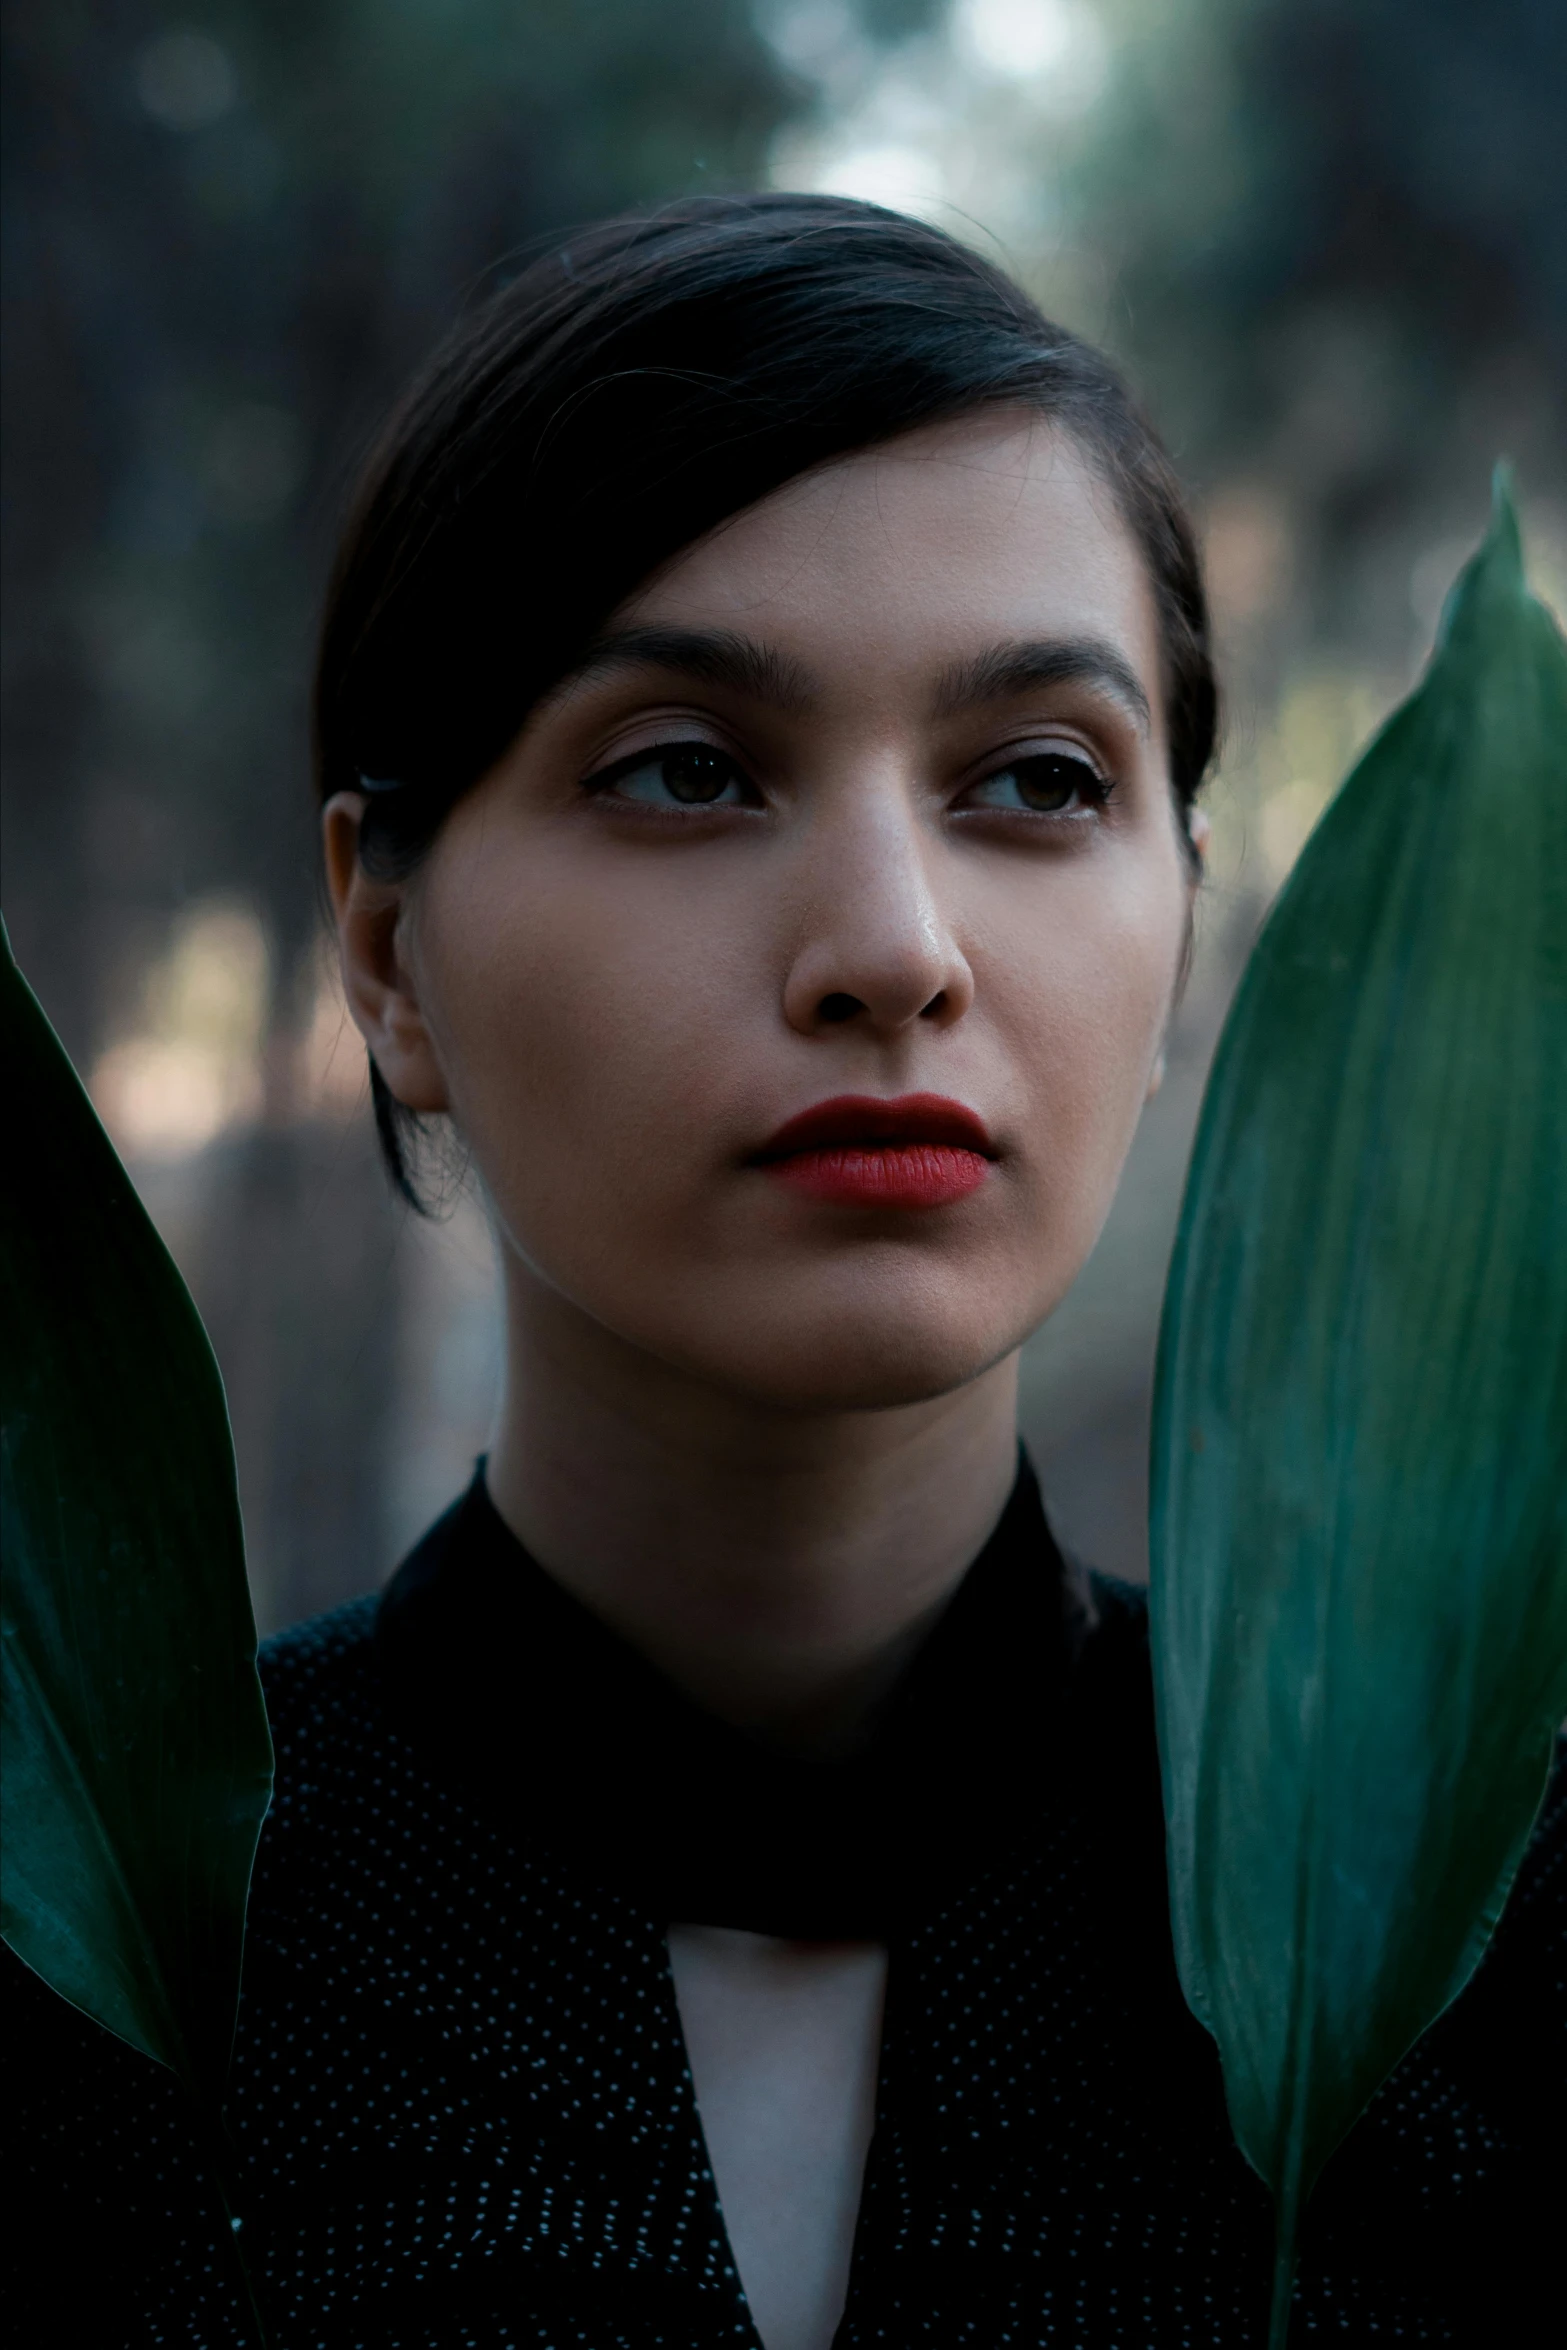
[778, 1566]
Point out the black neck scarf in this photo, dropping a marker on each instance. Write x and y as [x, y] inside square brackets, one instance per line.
[551, 1721]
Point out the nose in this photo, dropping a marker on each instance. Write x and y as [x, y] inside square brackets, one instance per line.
[875, 946]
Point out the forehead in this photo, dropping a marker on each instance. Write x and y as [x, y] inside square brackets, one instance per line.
[945, 540]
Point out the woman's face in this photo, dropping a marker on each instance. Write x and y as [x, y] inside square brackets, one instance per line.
[862, 800]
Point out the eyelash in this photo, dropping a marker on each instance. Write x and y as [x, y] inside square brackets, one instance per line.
[1087, 780]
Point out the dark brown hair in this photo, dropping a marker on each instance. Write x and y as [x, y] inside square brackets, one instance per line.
[634, 387]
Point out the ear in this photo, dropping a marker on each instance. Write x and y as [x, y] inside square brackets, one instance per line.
[371, 918]
[1199, 832]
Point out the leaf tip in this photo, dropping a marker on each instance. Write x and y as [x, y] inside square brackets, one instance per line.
[1494, 573]
[1503, 541]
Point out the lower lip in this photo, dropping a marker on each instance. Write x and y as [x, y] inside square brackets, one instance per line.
[886, 1175]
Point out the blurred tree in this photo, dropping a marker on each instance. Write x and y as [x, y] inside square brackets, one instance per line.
[1339, 235]
[226, 243]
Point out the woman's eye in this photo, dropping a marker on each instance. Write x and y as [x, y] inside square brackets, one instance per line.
[677, 775]
[1046, 783]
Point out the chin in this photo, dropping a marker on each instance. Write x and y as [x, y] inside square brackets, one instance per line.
[851, 1354]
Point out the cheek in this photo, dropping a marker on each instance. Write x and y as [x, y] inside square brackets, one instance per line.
[1082, 998]
[572, 1017]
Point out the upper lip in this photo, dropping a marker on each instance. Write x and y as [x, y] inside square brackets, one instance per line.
[863, 1118]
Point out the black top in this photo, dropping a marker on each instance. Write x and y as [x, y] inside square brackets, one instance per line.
[460, 2094]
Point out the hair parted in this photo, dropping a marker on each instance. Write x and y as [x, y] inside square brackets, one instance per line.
[635, 386]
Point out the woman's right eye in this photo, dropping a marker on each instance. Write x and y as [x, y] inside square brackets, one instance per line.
[677, 775]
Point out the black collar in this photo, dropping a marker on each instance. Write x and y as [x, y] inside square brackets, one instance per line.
[551, 1721]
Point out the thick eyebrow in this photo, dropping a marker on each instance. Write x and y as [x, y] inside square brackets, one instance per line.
[714, 656]
[1027, 663]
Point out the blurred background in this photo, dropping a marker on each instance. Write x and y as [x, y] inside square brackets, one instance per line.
[1327, 238]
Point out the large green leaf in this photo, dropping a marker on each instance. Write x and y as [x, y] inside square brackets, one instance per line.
[1359, 1518]
[137, 1764]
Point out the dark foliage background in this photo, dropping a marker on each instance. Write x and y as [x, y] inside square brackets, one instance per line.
[1328, 236]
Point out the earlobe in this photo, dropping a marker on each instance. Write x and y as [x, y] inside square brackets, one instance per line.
[378, 984]
[1199, 831]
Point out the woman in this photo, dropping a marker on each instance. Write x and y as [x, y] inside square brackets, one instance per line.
[717, 1894]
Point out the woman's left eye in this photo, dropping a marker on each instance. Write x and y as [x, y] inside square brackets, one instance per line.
[1045, 783]
[676, 775]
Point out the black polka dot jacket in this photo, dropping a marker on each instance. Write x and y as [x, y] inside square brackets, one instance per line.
[460, 2102]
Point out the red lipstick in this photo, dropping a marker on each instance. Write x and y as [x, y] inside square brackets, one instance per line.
[919, 1151]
